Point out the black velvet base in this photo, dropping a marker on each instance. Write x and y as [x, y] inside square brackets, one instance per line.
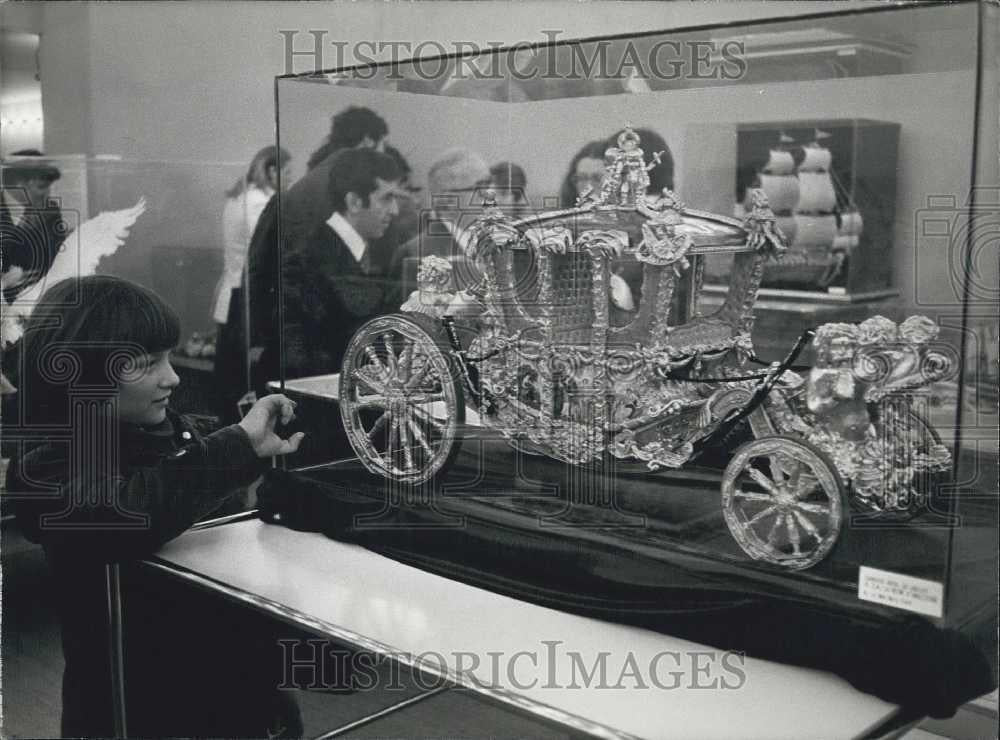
[530, 545]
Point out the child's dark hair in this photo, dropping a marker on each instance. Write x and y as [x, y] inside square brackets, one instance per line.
[83, 333]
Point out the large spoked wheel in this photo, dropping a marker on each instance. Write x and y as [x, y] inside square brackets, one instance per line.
[401, 398]
[783, 501]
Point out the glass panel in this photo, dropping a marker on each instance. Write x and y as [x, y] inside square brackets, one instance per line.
[970, 240]
[847, 123]
[821, 47]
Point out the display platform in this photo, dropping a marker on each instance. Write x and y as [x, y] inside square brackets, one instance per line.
[639, 459]
[378, 604]
[630, 548]
[536, 548]
[646, 518]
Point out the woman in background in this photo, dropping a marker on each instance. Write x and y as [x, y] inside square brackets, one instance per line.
[586, 170]
[509, 183]
[245, 201]
[585, 174]
[662, 175]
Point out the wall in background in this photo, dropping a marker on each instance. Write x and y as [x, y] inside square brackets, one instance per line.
[184, 91]
[195, 80]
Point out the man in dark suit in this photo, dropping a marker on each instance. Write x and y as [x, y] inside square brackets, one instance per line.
[331, 283]
[305, 206]
[31, 224]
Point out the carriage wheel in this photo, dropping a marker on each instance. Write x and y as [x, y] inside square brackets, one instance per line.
[401, 400]
[783, 501]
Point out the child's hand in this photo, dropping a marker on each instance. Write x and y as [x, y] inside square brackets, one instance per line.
[260, 421]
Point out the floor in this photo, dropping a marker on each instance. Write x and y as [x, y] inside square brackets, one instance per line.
[31, 653]
[32, 673]
[32, 667]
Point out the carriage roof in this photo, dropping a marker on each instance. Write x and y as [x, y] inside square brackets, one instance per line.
[661, 233]
[710, 233]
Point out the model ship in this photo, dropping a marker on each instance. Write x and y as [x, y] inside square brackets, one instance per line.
[546, 370]
[814, 211]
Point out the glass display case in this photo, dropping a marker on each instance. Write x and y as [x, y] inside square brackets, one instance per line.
[678, 328]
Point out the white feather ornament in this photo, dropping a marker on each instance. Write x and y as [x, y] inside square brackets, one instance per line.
[79, 255]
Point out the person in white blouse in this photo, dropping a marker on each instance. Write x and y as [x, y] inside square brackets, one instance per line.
[245, 201]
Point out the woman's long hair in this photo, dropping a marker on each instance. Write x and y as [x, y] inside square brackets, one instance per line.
[269, 156]
[567, 191]
[661, 176]
[83, 335]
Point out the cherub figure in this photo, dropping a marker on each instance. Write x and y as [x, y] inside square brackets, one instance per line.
[834, 393]
[492, 230]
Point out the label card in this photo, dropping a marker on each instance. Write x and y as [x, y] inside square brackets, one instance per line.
[903, 592]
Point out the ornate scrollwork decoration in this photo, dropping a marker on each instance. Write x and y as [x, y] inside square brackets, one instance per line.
[492, 231]
[763, 233]
[666, 208]
[874, 365]
[655, 454]
[661, 244]
[609, 243]
[551, 239]
[891, 359]
[434, 294]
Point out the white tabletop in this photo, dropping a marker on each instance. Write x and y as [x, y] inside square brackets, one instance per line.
[386, 606]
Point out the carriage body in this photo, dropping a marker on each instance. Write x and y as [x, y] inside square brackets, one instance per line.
[572, 373]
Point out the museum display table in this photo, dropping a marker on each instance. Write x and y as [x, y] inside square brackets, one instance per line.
[539, 660]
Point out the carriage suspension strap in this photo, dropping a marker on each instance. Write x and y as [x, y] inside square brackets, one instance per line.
[470, 374]
[774, 368]
[772, 376]
[794, 368]
[727, 379]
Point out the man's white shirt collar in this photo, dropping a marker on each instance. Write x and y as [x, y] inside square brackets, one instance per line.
[354, 241]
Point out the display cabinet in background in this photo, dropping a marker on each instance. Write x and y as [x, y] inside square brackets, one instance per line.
[832, 186]
[614, 374]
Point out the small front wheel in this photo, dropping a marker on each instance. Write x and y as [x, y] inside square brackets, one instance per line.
[783, 501]
[401, 398]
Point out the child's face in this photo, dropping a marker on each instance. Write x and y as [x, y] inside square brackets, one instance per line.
[145, 388]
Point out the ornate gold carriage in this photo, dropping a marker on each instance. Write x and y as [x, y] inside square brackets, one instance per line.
[543, 349]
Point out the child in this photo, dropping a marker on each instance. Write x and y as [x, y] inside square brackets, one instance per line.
[115, 472]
